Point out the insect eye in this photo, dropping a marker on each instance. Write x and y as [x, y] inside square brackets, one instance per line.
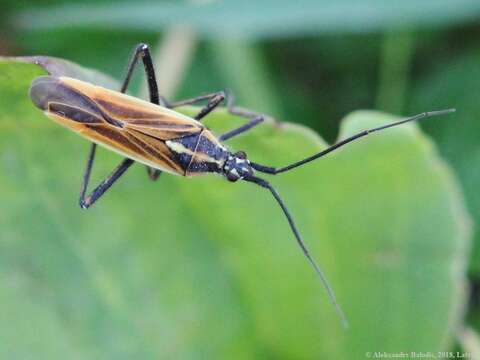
[232, 177]
[241, 155]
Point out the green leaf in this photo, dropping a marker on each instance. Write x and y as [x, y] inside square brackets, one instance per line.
[265, 19]
[202, 268]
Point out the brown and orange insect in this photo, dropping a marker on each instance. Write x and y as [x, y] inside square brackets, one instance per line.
[163, 139]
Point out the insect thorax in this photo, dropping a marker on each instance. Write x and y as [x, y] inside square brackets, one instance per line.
[198, 153]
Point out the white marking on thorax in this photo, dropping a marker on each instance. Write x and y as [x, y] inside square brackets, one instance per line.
[178, 148]
[181, 149]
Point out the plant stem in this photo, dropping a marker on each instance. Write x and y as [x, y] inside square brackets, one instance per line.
[396, 55]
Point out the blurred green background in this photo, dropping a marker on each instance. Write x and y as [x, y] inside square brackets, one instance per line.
[172, 269]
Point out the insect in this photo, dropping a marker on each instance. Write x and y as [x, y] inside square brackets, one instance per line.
[164, 140]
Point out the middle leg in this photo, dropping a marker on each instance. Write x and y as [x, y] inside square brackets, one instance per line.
[232, 109]
[214, 100]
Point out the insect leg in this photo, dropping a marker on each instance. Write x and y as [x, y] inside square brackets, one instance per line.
[193, 100]
[142, 50]
[239, 111]
[255, 118]
[253, 122]
[88, 171]
[230, 104]
[86, 202]
[153, 174]
[300, 242]
[213, 100]
[274, 171]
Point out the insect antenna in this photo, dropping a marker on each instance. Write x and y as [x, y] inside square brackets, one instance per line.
[302, 245]
[273, 170]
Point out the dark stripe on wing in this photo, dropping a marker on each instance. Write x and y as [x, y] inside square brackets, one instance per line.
[74, 113]
[51, 94]
[115, 138]
[48, 89]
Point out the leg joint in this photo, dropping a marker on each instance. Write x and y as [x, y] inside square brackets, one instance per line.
[84, 204]
[142, 48]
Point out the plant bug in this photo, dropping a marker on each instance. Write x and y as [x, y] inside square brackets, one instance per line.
[164, 140]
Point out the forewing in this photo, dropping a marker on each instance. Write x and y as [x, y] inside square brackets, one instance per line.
[136, 114]
[126, 125]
